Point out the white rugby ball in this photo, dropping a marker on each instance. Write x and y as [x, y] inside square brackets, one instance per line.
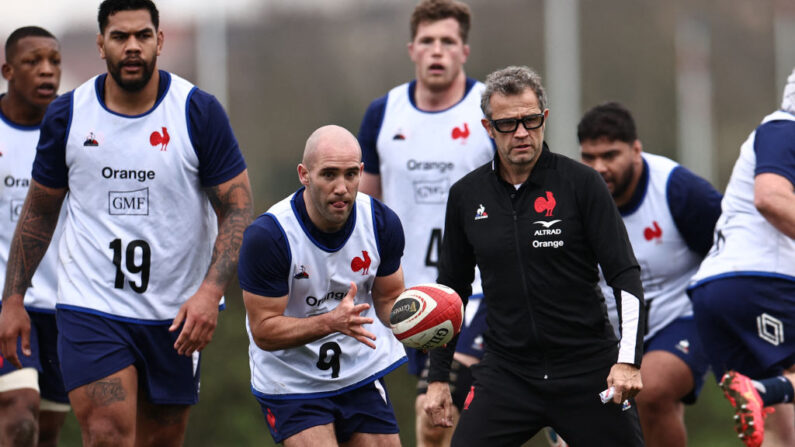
[427, 316]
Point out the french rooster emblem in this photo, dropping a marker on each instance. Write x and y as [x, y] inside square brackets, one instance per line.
[362, 263]
[156, 138]
[546, 205]
[654, 232]
[459, 132]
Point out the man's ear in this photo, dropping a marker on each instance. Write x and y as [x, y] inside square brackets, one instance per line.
[303, 174]
[637, 148]
[100, 45]
[487, 125]
[160, 39]
[8, 71]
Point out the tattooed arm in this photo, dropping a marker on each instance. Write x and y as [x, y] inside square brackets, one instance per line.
[31, 238]
[233, 205]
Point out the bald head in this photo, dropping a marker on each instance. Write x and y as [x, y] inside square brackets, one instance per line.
[330, 139]
[330, 170]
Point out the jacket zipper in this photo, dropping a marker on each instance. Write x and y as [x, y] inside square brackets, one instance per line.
[527, 290]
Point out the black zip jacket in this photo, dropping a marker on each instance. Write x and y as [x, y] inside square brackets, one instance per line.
[537, 249]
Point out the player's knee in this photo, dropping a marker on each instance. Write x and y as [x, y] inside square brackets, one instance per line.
[431, 435]
[422, 418]
[21, 431]
[655, 399]
[18, 419]
[103, 438]
[428, 435]
[105, 432]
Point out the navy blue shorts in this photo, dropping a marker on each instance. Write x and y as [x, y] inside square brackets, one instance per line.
[93, 347]
[44, 356]
[366, 409]
[747, 324]
[681, 339]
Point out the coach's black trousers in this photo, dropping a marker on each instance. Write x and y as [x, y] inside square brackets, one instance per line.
[505, 409]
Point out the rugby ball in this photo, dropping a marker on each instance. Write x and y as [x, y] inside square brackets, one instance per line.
[427, 316]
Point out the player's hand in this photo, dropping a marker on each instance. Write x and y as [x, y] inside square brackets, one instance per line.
[439, 404]
[14, 324]
[200, 315]
[345, 318]
[625, 378]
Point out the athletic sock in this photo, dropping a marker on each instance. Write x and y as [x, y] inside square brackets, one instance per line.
[776, 390]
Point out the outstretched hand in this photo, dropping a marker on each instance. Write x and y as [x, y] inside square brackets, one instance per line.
[346, 318]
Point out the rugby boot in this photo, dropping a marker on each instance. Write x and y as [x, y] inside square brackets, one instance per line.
[749, 411]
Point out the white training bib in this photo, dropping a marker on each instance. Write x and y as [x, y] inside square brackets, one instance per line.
[666, 262]
[318, 280]
[745, 243]
[140, 230]
[17, 151]
[421, 155]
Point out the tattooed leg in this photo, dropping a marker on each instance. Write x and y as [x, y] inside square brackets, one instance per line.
[105, 392]
[106, 409]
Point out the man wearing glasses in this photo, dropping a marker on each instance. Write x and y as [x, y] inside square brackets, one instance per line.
[538, 225]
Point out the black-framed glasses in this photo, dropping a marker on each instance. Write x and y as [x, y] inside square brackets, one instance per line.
[508, 125]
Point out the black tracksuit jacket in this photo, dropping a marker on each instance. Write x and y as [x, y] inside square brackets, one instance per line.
[537, 249]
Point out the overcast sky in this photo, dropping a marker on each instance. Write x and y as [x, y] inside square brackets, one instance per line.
[60, 16]
[57, 16]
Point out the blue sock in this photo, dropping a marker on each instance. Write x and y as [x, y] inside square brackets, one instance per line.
[776, 390]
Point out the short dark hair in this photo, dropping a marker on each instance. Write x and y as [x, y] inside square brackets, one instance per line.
[510, 81]
[434, 10]
[610, 121]
[109, 7]
[21, 33]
